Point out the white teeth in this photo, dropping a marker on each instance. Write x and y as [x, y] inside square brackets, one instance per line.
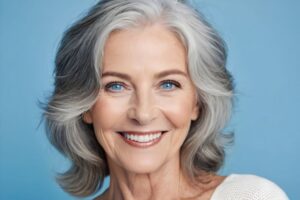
[142, 138]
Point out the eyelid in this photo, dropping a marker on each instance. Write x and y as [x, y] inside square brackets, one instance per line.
[176, 83]
[109, 84]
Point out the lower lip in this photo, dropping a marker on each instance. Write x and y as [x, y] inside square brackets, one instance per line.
[142, 144]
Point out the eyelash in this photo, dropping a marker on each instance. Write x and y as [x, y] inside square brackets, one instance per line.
[108, 86]
[175, 83]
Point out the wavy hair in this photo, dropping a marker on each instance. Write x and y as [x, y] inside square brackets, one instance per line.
[77, 83]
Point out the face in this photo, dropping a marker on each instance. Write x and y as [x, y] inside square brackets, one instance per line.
[147, 100]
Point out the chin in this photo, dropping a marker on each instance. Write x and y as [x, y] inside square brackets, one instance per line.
[141, 164]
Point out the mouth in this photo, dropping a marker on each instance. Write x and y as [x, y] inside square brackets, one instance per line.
[142, 139]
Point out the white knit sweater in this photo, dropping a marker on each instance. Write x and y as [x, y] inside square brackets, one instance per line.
[248, 187]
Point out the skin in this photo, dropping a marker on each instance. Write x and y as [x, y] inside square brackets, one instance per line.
[137, 95]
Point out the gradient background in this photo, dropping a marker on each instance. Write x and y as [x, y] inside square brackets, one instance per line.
[263, 39]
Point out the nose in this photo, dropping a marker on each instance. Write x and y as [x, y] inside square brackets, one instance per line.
[143, 109]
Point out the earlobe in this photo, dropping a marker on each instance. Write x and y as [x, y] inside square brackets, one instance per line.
[87, 117]
[196, 111]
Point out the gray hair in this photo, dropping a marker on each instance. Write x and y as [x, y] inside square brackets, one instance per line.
[77, 83]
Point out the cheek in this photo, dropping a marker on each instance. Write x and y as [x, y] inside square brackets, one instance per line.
[106, 115]
[107, 112]
[178, 110]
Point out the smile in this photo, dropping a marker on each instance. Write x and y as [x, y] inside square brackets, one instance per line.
[142, 139]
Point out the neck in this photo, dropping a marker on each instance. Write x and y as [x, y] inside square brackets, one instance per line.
[168, 181]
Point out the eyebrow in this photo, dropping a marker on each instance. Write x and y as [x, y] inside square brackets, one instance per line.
[157, 76]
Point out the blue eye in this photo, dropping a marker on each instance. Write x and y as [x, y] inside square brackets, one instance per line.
[169, 85]
[114, 87]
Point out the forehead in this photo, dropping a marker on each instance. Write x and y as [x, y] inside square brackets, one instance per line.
[150, 46]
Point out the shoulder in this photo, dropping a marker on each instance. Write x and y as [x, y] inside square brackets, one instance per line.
[248, 187]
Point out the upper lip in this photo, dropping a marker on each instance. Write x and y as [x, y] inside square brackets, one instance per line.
[143, 132]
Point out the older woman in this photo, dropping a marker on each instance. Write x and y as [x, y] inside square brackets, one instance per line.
[141, 95]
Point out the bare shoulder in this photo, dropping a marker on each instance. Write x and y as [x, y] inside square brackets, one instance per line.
[237, 186]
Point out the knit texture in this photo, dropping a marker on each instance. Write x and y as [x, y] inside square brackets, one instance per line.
[248, 187]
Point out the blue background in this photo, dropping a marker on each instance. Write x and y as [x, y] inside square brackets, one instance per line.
[263, 39]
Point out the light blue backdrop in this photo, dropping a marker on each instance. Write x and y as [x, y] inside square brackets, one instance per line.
[263, 39]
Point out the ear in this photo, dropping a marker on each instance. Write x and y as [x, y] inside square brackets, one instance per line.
[196, 108]
[87, 117]
[195, 111]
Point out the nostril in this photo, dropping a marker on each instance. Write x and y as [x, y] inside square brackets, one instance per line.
[142, 114]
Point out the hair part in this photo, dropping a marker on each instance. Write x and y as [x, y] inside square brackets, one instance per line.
[77, 83]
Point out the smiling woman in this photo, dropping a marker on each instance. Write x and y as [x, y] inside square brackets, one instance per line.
[142, 95]
[146, 87]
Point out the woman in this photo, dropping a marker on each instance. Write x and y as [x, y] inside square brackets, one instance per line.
[142, 95]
